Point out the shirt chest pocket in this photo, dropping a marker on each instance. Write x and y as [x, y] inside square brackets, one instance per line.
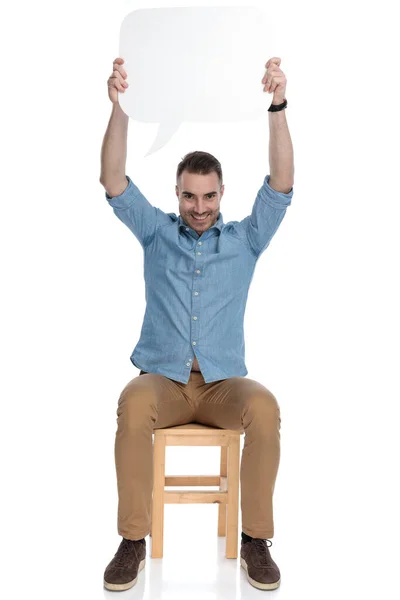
[229, 265]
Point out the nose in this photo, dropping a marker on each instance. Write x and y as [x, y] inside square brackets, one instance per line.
[200, 208]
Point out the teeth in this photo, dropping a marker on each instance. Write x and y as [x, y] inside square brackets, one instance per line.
[197, 219]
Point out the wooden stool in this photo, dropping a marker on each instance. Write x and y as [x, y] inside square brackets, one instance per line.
[195, 434]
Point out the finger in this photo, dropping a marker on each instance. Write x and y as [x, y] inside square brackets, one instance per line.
[115, 81]
[118, 67]
[272, 70]
[274, 60]
[274, 82]
[117, 75]
[268, 81]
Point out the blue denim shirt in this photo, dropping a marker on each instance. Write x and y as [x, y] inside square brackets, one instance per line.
[196, 286]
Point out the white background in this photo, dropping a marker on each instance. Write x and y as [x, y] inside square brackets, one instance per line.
[322, 326]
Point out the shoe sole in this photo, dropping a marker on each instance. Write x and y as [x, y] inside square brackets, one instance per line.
[258, 584]
[125, 586]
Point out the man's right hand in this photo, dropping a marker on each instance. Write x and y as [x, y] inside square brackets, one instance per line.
[116, 82]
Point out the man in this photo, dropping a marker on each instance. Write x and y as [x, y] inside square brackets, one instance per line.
[197, 272]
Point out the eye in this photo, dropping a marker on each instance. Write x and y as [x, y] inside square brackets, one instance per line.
[187, 195]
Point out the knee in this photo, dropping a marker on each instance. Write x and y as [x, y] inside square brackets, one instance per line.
[263, 405]
[130, 392]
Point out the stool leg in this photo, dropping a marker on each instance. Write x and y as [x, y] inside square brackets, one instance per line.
[222, 507]
[157, 520]
[233, 498]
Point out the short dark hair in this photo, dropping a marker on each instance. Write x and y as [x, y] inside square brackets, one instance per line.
[199, 162]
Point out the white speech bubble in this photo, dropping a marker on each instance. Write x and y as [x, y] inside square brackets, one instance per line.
[194, 64]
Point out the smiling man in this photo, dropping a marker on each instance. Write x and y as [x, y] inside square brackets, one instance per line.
[197, 270]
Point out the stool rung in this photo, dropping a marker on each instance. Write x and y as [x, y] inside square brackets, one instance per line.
[216, 439]
[195, 497]
[193, 479]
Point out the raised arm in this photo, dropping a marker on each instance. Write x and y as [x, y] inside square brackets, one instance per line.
[114, 147]
[281, 160]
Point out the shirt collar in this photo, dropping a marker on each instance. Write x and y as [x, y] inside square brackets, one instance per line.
[219, 224]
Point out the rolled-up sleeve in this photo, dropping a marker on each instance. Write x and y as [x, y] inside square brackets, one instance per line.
[132, 208]
[268, 210]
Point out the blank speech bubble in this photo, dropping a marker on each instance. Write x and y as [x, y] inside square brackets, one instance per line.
[194, 64]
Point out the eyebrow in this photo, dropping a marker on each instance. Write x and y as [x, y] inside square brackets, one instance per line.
[191, 193]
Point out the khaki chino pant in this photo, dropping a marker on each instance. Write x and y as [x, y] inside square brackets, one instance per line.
[152, 401]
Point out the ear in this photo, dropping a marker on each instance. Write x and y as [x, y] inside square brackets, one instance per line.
[177, 191]
[222, 190]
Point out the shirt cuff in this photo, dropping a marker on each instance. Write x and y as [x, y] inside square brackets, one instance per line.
[125, 199]
[276, 199]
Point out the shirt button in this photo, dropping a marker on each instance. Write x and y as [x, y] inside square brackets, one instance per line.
[187, 228]
[195, 318]
[199, 253]
[196, 293]
[194, 343]
[198, 271]
[188, 364]
[200, 243]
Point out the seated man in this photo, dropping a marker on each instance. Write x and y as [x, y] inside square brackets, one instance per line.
[198, 271]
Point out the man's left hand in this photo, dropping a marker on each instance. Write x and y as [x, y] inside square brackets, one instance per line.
[275, 80]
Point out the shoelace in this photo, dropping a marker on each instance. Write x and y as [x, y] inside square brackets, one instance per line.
[264, 556]
[123, 552]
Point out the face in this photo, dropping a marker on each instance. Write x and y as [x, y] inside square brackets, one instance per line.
[199, 196]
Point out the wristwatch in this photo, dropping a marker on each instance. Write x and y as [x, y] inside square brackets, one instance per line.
[276, 107]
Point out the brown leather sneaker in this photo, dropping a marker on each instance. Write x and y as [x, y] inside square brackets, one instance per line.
[262, 571]
[122, 572]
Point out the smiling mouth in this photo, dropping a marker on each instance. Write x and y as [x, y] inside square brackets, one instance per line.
[202, 219]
